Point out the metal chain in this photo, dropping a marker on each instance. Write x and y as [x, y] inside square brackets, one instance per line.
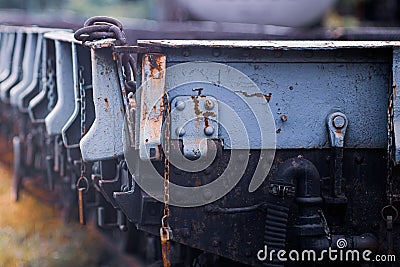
[165, 231]
[389, 167]
[50, 84]
[82, 184]
[97, 28]
[167, 140]
[82, 92]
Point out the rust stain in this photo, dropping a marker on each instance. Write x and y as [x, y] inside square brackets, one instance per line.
[261, 95]
[156, 65]
[209, 114]
[106, 102]
[394, 90]
[196, 109]
[197, 182]
[206, 122]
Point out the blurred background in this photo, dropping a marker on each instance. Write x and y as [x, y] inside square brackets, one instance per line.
[293, 13]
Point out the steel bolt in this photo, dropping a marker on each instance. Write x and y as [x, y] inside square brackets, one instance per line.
[209, 130]
[180, 105]
[180, 131]
[339, 121]
[209, 105]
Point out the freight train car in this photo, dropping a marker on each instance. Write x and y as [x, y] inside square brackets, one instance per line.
[211, 153]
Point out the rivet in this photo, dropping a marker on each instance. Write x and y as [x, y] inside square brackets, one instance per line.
[339, 121]
[209, 130]
[180, 131]
[208, 104]
[180, 105]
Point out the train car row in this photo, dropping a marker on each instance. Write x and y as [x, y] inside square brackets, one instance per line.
[210, 153]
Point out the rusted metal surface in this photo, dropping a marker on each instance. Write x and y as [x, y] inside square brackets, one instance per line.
[151, 105]
[109, 110]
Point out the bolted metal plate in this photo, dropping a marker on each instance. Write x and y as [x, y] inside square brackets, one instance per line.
[194, 119]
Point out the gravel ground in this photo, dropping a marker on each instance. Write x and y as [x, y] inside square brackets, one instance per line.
[32, 234]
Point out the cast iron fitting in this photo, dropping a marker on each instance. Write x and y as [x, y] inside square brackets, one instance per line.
[304, 176]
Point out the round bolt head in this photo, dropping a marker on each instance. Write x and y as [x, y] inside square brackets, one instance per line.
[209, 130]
[209, 105]
[180, 131]
[339, 121]
[180, 105]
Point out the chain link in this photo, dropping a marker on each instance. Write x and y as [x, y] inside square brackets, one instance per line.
[167, 139]
[82, 92]
[389, 167]
[165, 231]
[50, 84]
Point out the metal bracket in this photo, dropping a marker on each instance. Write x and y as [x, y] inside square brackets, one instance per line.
[337, 125]
[152, 106]
[194, 119]
[64, 107]
[16, 69]
[104, 139]
[27, 67]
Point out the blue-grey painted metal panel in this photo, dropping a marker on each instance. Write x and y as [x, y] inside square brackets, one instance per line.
[27, 68]
[7, 47]
[28, 94]
[77, 100]
[64, 107]
[14, 77]
[396, 103]
[104, 139]
[305, 82]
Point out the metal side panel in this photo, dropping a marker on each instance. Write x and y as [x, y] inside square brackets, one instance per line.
[77, 100]
[104, 139]
[27, 68]
[7, 48]
[151, 105]
[14, 77]
[71, 132]
[33, 88]
[396, 103]
[41, 105]
[64, 107]
[304, 86]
